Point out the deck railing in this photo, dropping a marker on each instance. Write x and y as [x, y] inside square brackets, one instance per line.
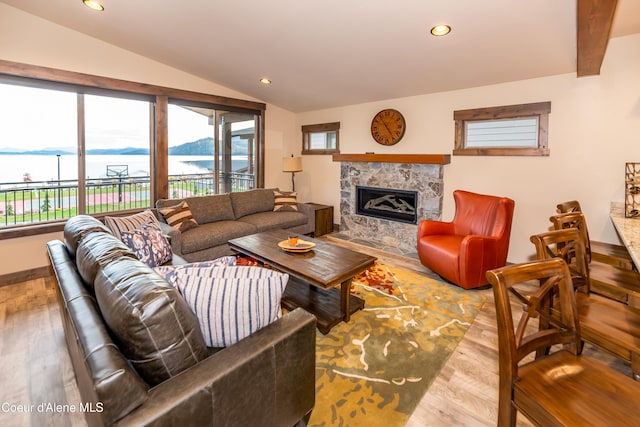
[23, 203]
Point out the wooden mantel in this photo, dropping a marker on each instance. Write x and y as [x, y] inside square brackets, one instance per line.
[433, 159]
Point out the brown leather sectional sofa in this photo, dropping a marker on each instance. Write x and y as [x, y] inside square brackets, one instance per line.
[113, 306]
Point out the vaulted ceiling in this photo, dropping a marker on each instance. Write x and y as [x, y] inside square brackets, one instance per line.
[327, 53]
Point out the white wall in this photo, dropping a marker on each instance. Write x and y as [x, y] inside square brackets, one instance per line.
[594, 128]
[28, 39]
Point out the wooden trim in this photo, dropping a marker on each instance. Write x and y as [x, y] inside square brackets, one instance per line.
[23, 276]
[433, 159]
[32, 230]
[595, 18]
[17, 69]
[504, 112]
[322, 127]
[501, 152]
[161, 151]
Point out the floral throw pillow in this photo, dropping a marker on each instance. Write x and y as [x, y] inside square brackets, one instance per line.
[120, 224]
[149, 244]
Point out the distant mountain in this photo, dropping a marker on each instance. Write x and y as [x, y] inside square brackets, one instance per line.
[204, 147]
[118, 151]
[201, 147]
[43, 152]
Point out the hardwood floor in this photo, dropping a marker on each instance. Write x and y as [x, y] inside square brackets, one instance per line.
[35, 367]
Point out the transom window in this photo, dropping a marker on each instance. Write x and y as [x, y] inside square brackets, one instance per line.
[321, 138]
[514, 130]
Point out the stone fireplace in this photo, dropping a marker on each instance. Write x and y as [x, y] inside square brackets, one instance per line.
[394, 186]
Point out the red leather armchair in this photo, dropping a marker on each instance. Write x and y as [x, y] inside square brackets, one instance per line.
[477, 239]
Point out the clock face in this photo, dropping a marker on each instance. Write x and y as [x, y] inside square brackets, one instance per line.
[388, 127]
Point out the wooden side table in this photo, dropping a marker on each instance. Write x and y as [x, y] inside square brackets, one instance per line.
[324, 219]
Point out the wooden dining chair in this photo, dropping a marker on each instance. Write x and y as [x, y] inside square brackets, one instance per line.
[615, 282]
[607, 253]
[608, 324]
[562, 388]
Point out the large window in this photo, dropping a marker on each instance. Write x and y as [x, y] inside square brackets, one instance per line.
[72, 143]
[117, 144]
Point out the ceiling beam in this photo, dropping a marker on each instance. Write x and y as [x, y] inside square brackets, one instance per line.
[594, 25]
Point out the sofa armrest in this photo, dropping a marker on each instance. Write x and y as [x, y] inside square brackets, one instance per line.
[429, 227]
[310, 212]
[175, 237]
[266, 379]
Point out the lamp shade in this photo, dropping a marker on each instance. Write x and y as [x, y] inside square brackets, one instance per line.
[291, 164]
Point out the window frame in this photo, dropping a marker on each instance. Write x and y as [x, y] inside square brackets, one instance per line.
[539, 110]
[307, 130]
[80, 83]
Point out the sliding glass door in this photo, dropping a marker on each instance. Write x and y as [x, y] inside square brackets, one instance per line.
[210, 151]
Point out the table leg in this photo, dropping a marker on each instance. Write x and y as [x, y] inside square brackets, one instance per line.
[345, 294]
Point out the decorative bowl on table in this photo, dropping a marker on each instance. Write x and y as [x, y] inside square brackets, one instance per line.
[301, 246]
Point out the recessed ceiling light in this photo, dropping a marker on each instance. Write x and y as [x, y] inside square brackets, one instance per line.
[265, 81]
[441, 30]
[93, 5]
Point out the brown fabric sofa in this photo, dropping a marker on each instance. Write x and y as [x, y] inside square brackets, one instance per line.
[222, 217]
[111, 305]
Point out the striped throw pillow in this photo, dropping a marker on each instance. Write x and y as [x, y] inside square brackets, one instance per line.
[285, 201]
[231, 303]
[179, 216]
[118, 224]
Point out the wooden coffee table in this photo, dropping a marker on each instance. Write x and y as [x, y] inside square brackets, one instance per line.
[325, 267]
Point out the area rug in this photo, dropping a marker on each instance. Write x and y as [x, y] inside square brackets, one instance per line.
[373, 370]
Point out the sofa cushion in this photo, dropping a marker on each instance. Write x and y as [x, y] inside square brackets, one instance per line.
[149, 244]
[118, 224]
[231, 303]
[252, 201]
[212, 208]
[213, 234]
[96, 250]
[155, 328]
[269, 220]
[79, 226]
[179, 216]
[285, 201]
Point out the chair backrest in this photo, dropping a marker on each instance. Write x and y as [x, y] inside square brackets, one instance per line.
[574, 219]
[515, 344]
[570, 206]
[568, 245]
[483, 215]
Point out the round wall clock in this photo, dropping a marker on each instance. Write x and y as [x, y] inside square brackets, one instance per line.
[387, 127]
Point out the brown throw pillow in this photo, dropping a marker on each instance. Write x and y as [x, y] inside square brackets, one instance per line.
[179, 216]
[285, 201]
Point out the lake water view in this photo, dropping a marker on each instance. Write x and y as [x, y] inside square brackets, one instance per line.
[45, 167]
